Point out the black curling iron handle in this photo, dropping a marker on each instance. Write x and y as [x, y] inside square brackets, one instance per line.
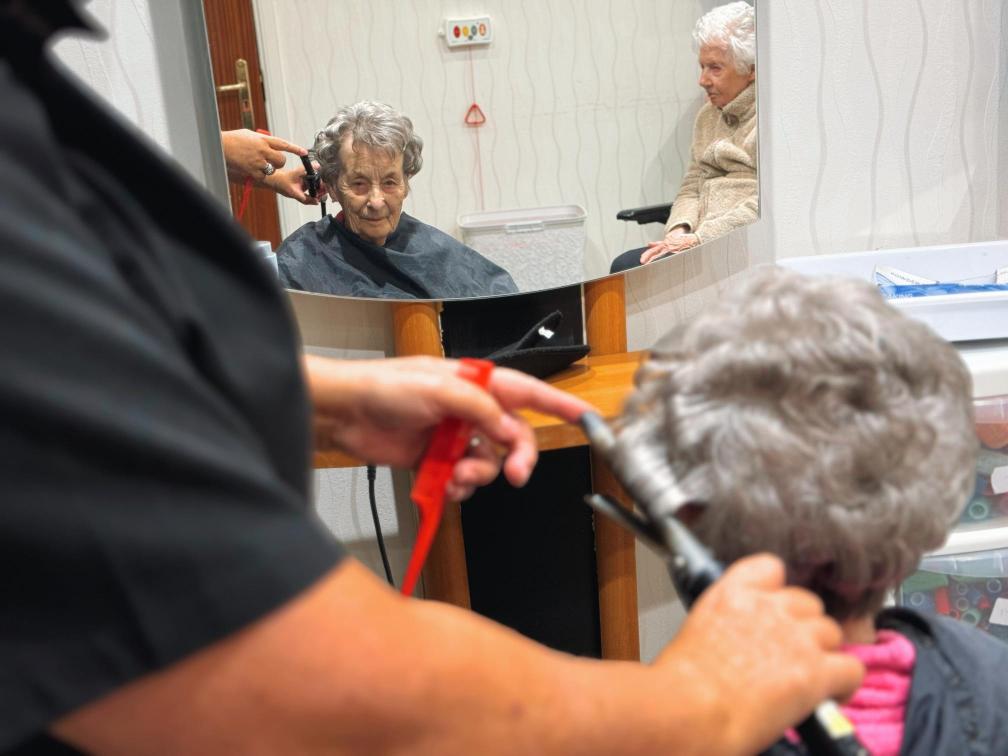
[825, 732]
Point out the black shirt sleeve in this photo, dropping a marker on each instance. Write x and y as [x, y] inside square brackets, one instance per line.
[154, 440]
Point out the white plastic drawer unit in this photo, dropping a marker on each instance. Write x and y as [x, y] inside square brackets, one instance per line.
[971, 586]
[968, 577]
[955, 317]
[990, 496]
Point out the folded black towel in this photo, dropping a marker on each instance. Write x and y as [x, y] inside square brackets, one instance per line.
[533, 354]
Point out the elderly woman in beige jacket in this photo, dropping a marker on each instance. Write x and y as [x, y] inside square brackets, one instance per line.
[719, 191]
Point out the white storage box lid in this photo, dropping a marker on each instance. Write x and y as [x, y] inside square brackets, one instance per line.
[956, 317]
[522, 219]
[541, 247]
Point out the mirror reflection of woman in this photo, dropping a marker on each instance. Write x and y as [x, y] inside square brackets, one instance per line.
[719, 191]
[367, 154]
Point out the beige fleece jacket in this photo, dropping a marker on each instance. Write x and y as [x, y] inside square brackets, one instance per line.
[719, 191]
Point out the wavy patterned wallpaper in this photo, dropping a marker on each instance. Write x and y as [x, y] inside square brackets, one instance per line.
[885, 121]
[880, 127]
[589, 103]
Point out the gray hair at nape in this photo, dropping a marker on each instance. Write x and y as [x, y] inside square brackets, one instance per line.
[814, 421]
[733, 27]
[374, 125]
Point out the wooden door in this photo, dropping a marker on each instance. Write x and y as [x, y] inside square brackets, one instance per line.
[232, 35]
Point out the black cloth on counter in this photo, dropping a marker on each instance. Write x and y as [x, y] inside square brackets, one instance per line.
[154, 449]
[417, 262]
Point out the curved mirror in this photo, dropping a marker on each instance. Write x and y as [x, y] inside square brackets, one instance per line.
[535, 136]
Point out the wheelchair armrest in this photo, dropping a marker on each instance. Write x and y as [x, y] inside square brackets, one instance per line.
[649, 214]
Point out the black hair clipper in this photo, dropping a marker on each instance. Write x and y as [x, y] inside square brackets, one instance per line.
[825, 732]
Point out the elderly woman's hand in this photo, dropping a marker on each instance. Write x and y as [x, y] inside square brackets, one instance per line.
[249, 154]
[677, 240]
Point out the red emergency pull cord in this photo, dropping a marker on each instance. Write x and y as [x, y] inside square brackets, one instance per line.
[446, 447]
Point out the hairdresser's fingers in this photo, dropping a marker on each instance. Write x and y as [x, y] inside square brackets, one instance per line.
[521, 458]
[759, 571]
[456, 492]
[289, 183]
[282, 144]
[472, 472]
[274, 158]
[825, 631]
[844, 674]
[518, 391]
[802, 603]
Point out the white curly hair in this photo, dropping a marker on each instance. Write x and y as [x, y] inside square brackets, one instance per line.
[732, 27]
[373, 125]
[811, 419]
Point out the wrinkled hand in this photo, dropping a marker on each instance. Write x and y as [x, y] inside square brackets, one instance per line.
[766, 652]
[291, 183]
[247, 153]
[384, 411]
[675, 241]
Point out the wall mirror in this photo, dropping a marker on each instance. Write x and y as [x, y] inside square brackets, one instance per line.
[532, 143]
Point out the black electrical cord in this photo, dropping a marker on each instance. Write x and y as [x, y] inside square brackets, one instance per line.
[371, 475]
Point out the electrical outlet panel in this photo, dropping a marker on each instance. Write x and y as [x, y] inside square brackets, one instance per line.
[465, 32]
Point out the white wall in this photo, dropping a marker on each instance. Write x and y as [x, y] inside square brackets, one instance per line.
[154, 69]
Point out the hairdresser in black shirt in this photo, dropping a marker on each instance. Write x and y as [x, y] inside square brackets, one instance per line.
[164, 587]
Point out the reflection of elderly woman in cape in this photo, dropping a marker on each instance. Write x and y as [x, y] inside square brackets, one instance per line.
[719, 191]
[367, 155]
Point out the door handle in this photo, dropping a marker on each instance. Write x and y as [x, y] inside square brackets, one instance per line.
[244, 93]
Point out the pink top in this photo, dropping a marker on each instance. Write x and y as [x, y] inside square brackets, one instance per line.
[878, 708]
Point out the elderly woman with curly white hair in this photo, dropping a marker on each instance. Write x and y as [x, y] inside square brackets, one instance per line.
[719, 191]
[808, 418]
[367, 154]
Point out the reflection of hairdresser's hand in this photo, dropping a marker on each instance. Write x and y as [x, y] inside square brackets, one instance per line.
[249, 154]
[290, 183]
[675, 241]
[383, 411]
[766, 651]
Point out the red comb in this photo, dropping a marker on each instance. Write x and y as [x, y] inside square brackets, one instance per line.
[446, 447]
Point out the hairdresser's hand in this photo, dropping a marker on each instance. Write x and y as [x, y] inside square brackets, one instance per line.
[764, 651]
[290, 182]
[676, 240]
[247, 153]
[383, 411]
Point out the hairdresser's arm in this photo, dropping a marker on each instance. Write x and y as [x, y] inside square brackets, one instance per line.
[351, 667]
[247, 152]
[383, 411]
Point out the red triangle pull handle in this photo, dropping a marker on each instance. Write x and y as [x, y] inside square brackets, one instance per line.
[474, 116]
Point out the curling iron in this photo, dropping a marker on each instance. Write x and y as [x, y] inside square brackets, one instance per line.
[825, 732]
[312, 180]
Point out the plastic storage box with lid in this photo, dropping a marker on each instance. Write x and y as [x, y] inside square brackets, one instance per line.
[967, 579]
[541, 247]
[956, 317]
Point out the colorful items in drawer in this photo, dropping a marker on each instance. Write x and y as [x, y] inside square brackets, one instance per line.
[993, 435]
[969, 599]
[988, 501]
